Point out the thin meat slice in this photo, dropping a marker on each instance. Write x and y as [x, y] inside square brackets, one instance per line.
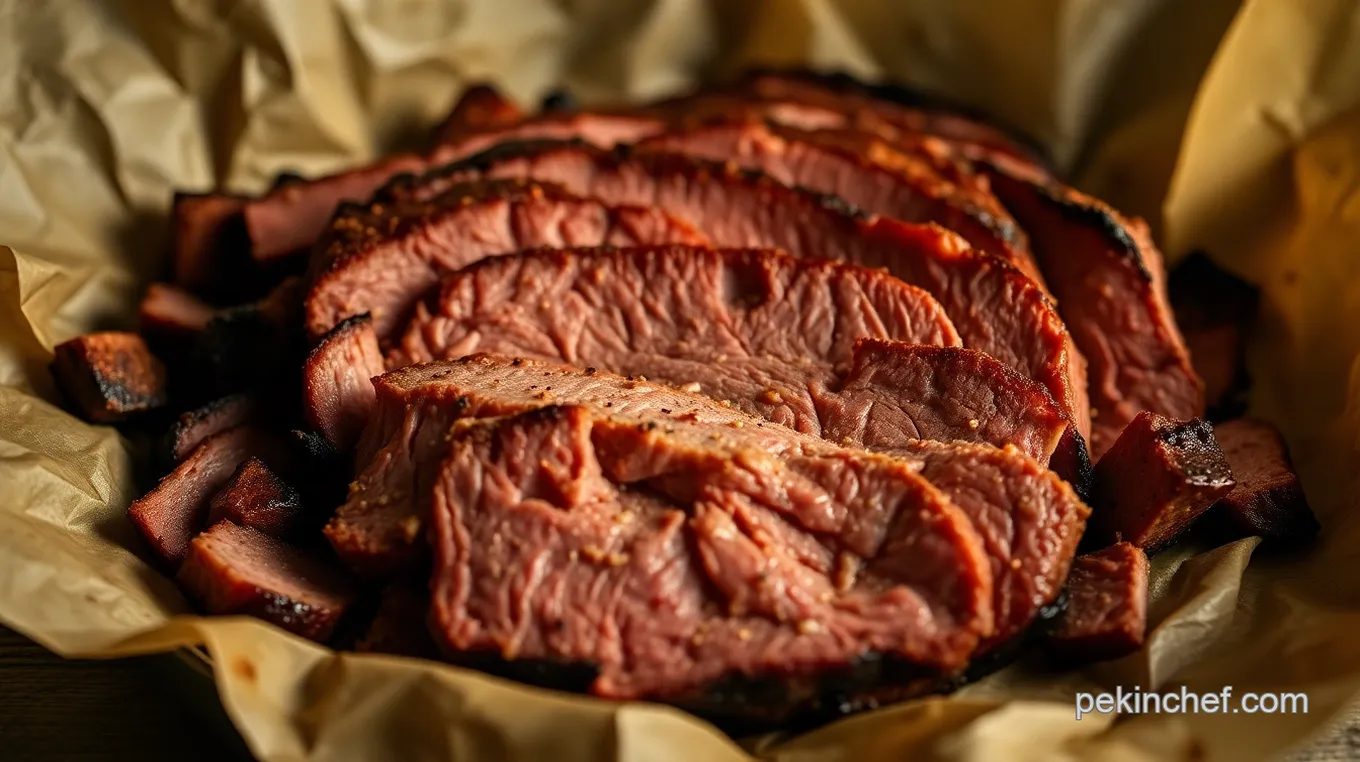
[823, 347]
[171, 311]
[110, 376]
[1110, 284]
[258, 498]
[231, 569]
[480, 107]
[209, 237]
[383, 257]
[191, 428]
[336, 390]
[662, 532]
[864, 170]
[1268, 500]
[172, 513]
[1106, 616]
[1159, 476]
[1028, 519]
[995, 308]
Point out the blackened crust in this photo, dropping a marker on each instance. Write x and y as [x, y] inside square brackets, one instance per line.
[1097, 216]
[192, 427]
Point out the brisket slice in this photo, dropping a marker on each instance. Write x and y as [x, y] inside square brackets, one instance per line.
[231, 569]
[256, 497]
[191, 428]
[995, 308]
[1111, 287]
[1027, 518]
[1268, 500]
[382, 257]
[864, 170]
[1159, 476]
[778, 337]
[177, 508]
[1107, 597]
[336, 390]
[109, 376]
[706, 555]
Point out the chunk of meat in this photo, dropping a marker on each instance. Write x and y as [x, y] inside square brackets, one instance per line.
[232, 569]
[256, 497]
[383, 257]
[190, 429]
[1107, 596]
[337, 393]
[1268, 500]
[732, 560]
[798, 342]
[171, 311]
[1159, 476]
[109, 376]
[177, 508]
[995, 308]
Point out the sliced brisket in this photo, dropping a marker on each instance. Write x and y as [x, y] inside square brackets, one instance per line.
[1268, 500]
[258, 498]
[995, 308]
[779, 337]
[231, 569]
[1107, 597]
[190, 429]
[708, 555]
[1159, 476]
[382, 257]
[336, 390]
[109, 376]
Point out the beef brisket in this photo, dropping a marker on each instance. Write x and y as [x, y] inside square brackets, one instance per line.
[1159, 476]
[1028, 519]
[336, 390]
[171, 311]
[109, 376]
[191, 428]
[480, 107]
[256, 497]
[777, 336]
[1107, 597]
[1268, 500]
[238, 570]
[995, 308]
[209, 238]
[382, 257]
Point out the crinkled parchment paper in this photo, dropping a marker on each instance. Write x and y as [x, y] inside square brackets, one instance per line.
[1231, 128]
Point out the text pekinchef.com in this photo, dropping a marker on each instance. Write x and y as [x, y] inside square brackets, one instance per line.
[1137, 701]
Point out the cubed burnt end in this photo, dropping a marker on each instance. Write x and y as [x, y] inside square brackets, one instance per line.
[258, 498]
[1106, 616]
[110, 376]
[191, 428]
[1268, 500]
[231, 569]
[337, 392]
[1159, 476]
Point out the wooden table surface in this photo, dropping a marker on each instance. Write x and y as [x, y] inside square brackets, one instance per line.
[131, 709]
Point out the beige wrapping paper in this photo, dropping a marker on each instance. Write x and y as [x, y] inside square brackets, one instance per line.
[1231, 128]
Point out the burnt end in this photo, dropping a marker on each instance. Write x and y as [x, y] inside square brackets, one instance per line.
[1268, 500]
[1106, 615]
[337, 393]
[110, 376]
[1215, 311]
[1159, 476]
[172, 312]
[211, 247]
[191, 428]
[256, 497]
[399, 627]
[231, 569]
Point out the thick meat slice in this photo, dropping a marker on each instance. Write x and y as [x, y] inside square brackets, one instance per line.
[995, 308]
[231, 569]
[1159, 476]
[1106, 616]
[864, 170]
[192, 428]
[209, 237]
[775, 335]
[1028, 519]
[171, 311]
[336, 390]
[169, 515]
[382, 257]
[709, 556]
[1110, 284]
[109, 376]
[256, 497]
[400, 626]
[480, 107]
[1268, 500]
